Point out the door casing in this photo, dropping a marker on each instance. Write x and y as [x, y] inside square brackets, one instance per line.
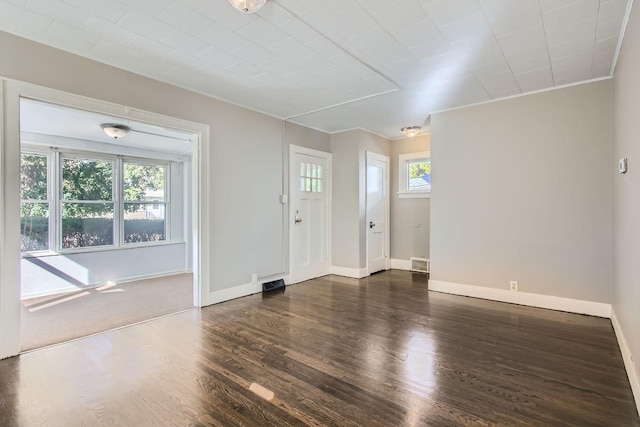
[293, 181]
[385, 159]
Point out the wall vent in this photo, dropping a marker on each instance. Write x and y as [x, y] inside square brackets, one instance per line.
[272, 286]
[421, 265]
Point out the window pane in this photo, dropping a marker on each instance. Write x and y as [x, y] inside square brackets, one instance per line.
[34, 227]
[33, 177]
[302, 184]
[144, 222]
[144, 182]
[303, 169]
[308, 185]
[319, 171]
[314, 185]
[87, 224]
[86, 179]
[419, 175]
[319, 186]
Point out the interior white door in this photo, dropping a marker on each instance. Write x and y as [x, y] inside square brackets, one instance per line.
[310, 189]
[377, 212]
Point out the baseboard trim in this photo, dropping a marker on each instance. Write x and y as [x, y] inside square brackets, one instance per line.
[94, 285]
[523, 298]
[240, 291]
[629, 365]
[234, 292]
[401, 264]
[355, 273]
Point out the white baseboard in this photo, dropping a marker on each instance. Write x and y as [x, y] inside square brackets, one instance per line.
[355, 273]
[632, 371]
[523, 298]
[401, 264]
[233, 293]
[240, 290]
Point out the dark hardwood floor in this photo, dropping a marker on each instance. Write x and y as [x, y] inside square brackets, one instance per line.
[381, 351]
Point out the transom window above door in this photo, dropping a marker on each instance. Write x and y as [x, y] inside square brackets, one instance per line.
[311, 178]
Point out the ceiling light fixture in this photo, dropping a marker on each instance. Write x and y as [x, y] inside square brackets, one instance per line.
[411, 131]
[114, 130]
[248, 6]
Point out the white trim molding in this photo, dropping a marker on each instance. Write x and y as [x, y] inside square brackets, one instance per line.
[354, 273]
[523, 298]
[401, 264]
[632, 371]
[240, 291]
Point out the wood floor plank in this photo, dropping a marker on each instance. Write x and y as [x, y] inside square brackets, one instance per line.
[381, 351]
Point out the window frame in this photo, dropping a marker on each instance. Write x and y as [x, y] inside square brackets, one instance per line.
[55, 157]
[47, 154]
[166, 202]
[59, 201]
[403, 175]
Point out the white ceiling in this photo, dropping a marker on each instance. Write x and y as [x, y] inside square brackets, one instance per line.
[335, 65]
[49, 119]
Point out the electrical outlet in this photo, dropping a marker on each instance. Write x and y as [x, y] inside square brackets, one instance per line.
[513, 285]
[254, 278]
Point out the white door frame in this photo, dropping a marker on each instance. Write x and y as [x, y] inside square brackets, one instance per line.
[293, 149]
[385, 159]
[11, 91]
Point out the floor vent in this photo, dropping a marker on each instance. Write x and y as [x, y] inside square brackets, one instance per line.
[421, 265]
[272, 286]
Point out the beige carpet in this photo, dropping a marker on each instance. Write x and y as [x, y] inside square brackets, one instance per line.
[54, 319]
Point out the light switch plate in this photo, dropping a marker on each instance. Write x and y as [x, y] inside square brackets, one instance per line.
[622, 165]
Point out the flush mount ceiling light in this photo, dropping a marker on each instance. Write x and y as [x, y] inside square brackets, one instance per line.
[248, 6]
[411, 131]
[114, 130]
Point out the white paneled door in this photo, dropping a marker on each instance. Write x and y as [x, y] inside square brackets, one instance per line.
[377, 212]
[309, 213]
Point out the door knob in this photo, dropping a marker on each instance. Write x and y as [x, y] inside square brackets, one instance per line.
[371, 224]
[298, 220]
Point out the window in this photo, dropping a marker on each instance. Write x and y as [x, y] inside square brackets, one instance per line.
[145, 204]
[311, 179]
[72, 201]
[34, 204]
[87, 202]
[414, 175]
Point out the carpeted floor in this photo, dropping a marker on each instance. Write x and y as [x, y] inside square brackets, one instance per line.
[58, 318]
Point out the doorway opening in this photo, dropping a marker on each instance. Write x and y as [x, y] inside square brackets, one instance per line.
[105, 222]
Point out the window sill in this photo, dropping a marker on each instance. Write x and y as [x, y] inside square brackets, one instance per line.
[414, 195]
[95, 249]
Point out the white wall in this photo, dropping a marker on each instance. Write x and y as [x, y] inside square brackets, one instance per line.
[349, 228]
[345, 208]
[53, 274]
[626, 199]
[522, 191]
[409, 217]
[247, 218]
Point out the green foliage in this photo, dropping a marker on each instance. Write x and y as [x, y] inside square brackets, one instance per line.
[138, 179]
[33, 177]
[143, 230]
[86, 180]
[80, 233]
[419, 169]
[34, 210]
[34, 233]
